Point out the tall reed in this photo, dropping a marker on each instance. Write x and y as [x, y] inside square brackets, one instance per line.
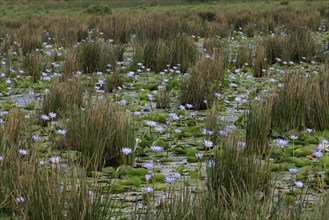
[99, 132]
[34, 63]
[237, 186]
[302, 102]
[200, 86]
[258, 126]
[292, 46]
[158, 54]
[234, 174]
[63, 96]
[290, 104]
[14, 129]
[31, 190]
[95, 55]
[317, 104]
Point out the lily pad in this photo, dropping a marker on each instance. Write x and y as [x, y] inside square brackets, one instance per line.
[298, 161]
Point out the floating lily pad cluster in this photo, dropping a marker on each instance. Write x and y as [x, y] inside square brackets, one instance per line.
[140, 116]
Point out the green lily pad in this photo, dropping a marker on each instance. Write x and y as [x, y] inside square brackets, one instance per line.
[97, 174]
[161, 187]
[179, 151]
[193, 174]
[136, 172]
[284, 166]
[116, 204]
[304, 151]
[161, 143]
[324, 161]
[117, 188]
[192, 159]
[304, 170]
[191, 152]
[108, 170]
[180, 169]
[159, 177]
[137, 181]
[166, 160]
[70, 155]
[298, 161]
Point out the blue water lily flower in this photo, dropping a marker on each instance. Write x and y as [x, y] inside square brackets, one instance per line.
[281, 142]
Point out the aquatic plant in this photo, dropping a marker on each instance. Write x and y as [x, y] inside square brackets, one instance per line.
[163, 99]
[200, 86]
[258, 126]
[99, 132]
[13, 131]
[34, 64]
[63, 96]
[157, 54]
[94, 56]
[41, 190]
[233, 174]
[114, 81]
[299, 100]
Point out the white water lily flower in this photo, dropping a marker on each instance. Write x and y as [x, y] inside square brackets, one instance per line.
[293, 137]
[22, 152]
[159, 129]
[170, 179]
[52, 115]
[148, 176]
[45, 117]
[36, 137]
[148, 190]
[282, 143]
[62, 132]
[198, 156]
[55, 159]
[156, 148]
[126, 150]
[149, 165]
[323, 147]
[299, 184]
[208, 143]
[151, 123]
[20, 199]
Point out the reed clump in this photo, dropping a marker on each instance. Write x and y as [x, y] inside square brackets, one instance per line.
[302, 102]
[200, 86]
[94, 56]
[163, 99]
[34, 63]
[34, 190]
[261, 61]
[290, 104]
[244, 56]
[258, 126]
[13, 131]
[71, 65]
[292, 46]
[99, 132]
[113, 81]
[234, 174]
[159, 53]
[63, 96]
